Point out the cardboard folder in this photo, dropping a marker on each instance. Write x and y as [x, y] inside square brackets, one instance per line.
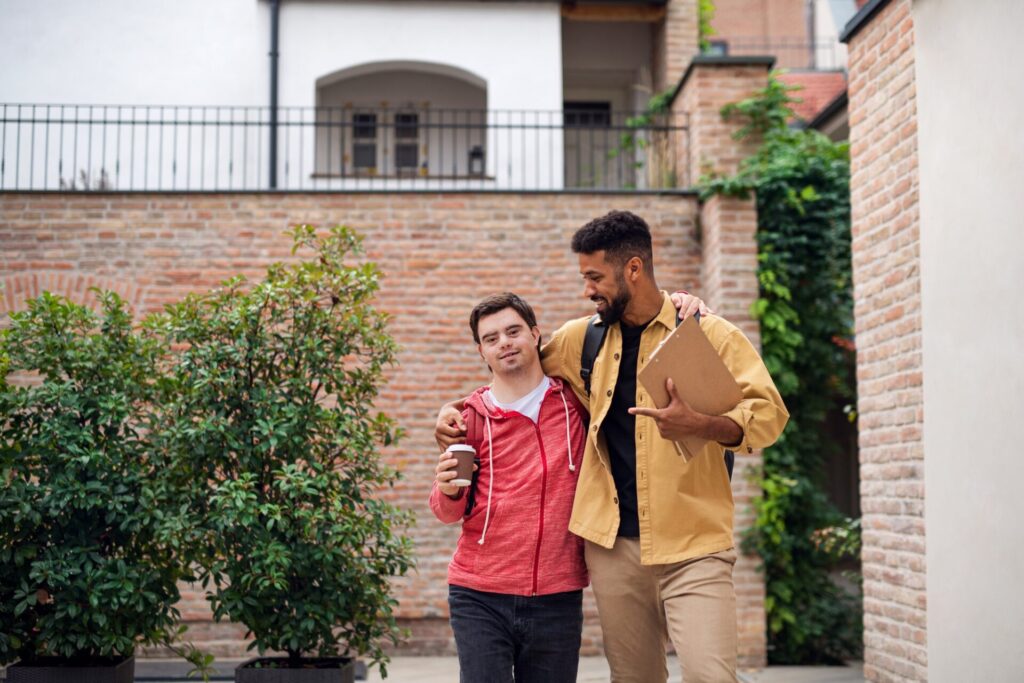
[700, 377]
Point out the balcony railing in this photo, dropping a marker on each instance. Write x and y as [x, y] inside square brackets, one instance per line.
[195, 148]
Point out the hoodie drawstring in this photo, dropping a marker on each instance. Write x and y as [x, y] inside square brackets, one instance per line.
[568, 434]
[490, 485]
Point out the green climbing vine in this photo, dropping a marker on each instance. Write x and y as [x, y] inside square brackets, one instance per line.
[706, 12]
[801, 183]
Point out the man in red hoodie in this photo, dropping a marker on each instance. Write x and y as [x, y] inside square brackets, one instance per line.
[516, 580]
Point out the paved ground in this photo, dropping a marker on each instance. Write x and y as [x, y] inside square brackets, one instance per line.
[807, 674]
[445, 670]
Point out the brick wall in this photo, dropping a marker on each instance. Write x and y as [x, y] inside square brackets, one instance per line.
[440, 254]
[676, 41]
[749, 27]
[887, 290]
[761, 19]
[729, 254]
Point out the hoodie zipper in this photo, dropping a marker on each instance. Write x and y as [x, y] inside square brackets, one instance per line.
[543, 487]
[543, 492]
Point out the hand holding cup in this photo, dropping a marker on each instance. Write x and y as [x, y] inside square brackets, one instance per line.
[455, 469]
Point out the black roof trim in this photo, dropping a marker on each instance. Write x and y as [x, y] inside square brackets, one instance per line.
[861, 18]
[720, 60]
[830, 110]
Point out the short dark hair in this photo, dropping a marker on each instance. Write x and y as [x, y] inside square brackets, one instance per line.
[620, 234]
[497, 303]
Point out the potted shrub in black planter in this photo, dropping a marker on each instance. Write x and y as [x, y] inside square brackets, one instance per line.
[277, 436]
[88, 552]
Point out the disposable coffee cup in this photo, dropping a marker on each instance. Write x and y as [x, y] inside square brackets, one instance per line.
[464, 455]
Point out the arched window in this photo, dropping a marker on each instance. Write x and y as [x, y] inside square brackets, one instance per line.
[401, 119]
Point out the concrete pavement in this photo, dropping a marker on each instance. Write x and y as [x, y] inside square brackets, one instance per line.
[595, 670]
[446, 670]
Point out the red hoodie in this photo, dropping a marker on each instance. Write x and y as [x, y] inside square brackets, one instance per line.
[516, 540]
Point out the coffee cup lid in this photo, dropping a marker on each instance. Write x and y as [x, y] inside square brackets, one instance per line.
[462, 448]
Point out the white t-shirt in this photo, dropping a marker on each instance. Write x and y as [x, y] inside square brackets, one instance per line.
[528, 405]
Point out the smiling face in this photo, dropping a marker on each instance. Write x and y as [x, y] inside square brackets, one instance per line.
[605, 284]
[507, 344]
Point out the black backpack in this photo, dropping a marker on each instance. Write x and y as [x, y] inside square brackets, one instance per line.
[592, 342]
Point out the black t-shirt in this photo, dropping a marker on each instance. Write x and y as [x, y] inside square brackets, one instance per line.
[619, 429]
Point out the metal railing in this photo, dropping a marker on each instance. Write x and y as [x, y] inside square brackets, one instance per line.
[789, 53]
[204, 148]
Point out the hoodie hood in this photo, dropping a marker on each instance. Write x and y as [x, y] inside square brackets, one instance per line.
[479, 403]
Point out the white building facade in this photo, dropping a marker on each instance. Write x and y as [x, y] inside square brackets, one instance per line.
[388, 95]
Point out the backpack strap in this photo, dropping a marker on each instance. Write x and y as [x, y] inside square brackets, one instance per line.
[592, 343]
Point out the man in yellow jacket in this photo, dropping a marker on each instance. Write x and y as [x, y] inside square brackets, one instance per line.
[658, 530]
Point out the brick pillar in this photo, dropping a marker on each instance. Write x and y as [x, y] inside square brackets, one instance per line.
[729, 244]
[729, 277]
[886, 246]
[707, 85]
[676, 42]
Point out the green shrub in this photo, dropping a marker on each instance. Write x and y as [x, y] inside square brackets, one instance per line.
[271, 418]
[89, 534]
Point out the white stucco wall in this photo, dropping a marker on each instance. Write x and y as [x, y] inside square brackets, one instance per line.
[203, 52]
[514, 47]
[830, 16]
[971, 142]
[130, 52]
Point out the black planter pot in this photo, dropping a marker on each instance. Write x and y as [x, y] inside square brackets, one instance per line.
[57, 670]
[315, 670]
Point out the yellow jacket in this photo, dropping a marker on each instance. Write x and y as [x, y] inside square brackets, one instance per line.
[685, 510]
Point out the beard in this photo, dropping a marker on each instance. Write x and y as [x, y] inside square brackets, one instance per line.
[617, 306]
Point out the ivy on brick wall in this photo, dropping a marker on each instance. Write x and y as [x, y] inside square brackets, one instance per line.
[801, 183]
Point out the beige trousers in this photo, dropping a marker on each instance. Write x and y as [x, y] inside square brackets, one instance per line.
[692, 602]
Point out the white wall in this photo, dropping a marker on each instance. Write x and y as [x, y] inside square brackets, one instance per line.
[132, 52]
[971, 139]
[215, 52]
[195, 52]
[830, 17]
[514, 47]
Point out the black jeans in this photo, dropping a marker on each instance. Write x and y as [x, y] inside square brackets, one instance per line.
[503, 638]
